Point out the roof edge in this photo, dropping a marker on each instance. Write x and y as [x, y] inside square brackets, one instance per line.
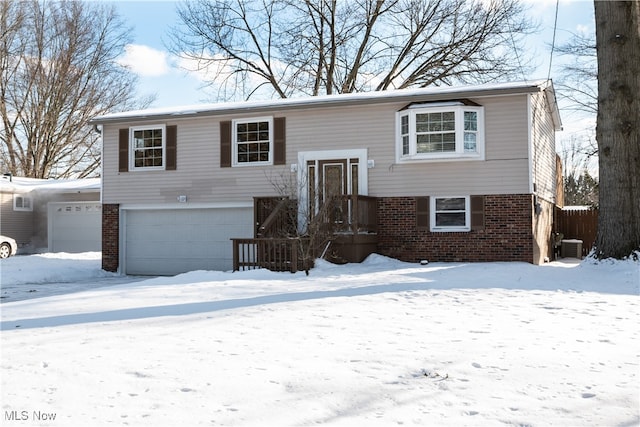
[377, 97]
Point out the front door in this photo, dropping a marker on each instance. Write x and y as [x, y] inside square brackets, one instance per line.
[330, 179]
[329, 175]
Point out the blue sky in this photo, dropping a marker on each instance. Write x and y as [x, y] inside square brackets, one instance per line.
[160, 73]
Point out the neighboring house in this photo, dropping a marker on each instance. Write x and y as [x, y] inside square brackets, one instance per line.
[455, 173]
[45, 215]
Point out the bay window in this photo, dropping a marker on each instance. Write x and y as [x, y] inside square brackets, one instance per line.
[435, 131]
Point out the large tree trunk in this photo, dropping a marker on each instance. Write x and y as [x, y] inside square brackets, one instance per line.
[618, 127]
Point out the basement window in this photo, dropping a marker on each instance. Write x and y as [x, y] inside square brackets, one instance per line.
[450, 214]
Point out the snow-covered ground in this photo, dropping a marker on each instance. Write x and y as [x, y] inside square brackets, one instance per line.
[37, 276]
[378, 343]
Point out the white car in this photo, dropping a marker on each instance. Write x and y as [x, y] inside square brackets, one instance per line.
[8, 247]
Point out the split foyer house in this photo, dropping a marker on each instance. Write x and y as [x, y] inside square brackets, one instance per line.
[445, 174]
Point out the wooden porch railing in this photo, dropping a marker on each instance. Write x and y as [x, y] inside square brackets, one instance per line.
[274, 216]
[272, 249]
[356, 214]
[275, 254]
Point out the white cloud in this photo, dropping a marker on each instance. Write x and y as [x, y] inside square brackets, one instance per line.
[145, 61]
[207, 70]
[583, 29]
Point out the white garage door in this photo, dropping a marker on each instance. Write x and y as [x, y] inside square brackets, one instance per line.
[75, 227]
[168, 242]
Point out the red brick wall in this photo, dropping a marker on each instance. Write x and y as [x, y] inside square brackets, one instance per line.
[507, 235]
[110, 237]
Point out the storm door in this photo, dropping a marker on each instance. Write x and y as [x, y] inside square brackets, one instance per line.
[328, 181]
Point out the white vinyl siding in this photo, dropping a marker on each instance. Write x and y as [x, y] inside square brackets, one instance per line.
[369, 127]
[543, 160]
[16, 224]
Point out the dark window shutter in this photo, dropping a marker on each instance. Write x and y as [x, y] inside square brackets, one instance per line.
[279, 141]
[422, 213]
[225, 144]
[123, 150]
[171, 147]
[477, 212]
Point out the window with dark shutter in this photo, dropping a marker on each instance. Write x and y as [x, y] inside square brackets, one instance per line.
[477, 212]
[148, 147]
[422, 213]
[225, 144]
[279, 141]
[123, 150]
[171, 147]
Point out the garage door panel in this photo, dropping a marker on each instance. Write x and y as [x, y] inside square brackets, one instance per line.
[176, 241]
[75, 227]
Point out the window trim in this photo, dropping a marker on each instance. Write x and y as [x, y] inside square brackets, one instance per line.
[22, 197]
[459, 155]
[432, 215]
[132, 150]
[234, 141]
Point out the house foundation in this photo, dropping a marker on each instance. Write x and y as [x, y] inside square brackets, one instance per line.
[505, 236]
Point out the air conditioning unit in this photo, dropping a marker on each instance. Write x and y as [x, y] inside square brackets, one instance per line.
[571, 249]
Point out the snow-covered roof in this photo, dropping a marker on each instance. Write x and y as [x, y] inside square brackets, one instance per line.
[21, 184]
[448, 92]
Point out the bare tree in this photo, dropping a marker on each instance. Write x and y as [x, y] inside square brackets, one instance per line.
[580, 187]
[312, 220]
[58, 70]
[577, 85]
[618, 128]
[579, 77]
[313, 47]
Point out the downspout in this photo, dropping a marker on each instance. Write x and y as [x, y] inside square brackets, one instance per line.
[98, 129]
[530, 143]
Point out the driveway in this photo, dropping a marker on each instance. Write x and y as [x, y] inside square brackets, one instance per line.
[24, 291]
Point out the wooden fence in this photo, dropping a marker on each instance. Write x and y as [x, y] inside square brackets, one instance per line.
[580, 224]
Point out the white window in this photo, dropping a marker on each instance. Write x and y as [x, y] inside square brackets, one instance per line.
[147, 147]
[449, 130]
[450, 214]
[22, 203]
[252, 141]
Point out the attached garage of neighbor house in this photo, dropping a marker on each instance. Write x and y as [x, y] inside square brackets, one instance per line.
[173, 241]
[75, 227]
